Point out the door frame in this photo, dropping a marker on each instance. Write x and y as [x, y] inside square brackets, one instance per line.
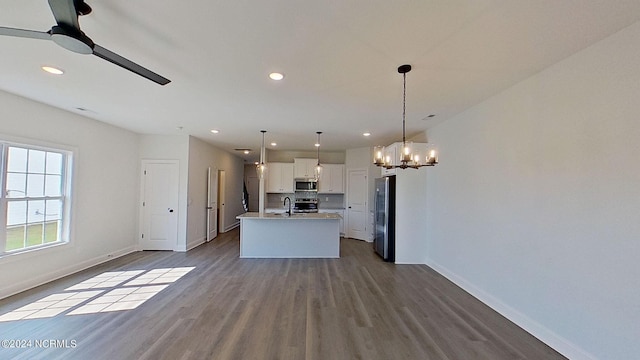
[141, 208]
[212, 205]
[366, 210]
[222, 197]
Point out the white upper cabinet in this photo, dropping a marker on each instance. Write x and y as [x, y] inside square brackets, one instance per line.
[331, 179]
[304, 168]
[279, 178]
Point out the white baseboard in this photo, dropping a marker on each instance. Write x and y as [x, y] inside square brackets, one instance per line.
[196, 243]
[232, 226]
[60, 273]
[547, 336]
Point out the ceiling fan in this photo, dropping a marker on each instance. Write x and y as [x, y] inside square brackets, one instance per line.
[67, 34]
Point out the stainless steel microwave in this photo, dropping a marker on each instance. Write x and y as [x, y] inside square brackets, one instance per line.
[306, 185]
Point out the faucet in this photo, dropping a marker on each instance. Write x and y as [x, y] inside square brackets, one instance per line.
[285, 203]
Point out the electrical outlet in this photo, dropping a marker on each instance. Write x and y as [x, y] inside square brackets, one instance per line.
[326, 198]
[281, 198]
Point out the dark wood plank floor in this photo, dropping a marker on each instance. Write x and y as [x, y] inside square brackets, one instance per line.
[355, 307]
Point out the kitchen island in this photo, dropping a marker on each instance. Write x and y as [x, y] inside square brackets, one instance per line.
[308, 235]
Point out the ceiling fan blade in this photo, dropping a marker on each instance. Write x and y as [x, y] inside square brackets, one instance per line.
[25, 33]
[65, 13]
[128, 64]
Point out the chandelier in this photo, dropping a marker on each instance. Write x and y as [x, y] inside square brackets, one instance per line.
[408, 157]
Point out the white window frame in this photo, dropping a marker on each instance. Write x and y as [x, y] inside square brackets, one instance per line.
[66, 191]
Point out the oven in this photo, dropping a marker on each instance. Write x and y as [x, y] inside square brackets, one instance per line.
[306, 205]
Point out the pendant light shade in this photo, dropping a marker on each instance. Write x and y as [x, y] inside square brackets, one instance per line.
[318, 169]
[408, 157]
[261, 168]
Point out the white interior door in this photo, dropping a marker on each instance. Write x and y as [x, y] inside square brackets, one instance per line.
[357, 190]
[159, 205]
[212, 204]
[221, 199]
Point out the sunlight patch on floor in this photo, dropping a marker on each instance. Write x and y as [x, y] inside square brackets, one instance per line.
[50, 306]
[119, 299]
[105, 280]
[159, 276]
[142, 286]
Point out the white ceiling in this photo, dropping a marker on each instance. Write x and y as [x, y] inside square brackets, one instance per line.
[339, 58]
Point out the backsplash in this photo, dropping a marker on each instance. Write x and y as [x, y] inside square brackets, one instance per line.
[330, 201]
[275, 201]
[325, 201]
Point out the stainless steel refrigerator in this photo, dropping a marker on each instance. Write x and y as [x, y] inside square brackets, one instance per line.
[385, 216]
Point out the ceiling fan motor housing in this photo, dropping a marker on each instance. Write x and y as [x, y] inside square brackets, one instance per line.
[68, 35]
[72, 40]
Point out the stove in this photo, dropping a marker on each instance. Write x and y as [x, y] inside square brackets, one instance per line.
[306, 206]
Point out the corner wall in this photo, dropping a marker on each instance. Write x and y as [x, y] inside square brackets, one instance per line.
[105, 192]
[202, 156]
[535, 205]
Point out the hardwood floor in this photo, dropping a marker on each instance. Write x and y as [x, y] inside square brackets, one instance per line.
[355, 307]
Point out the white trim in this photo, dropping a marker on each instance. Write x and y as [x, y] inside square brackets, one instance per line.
[36, 143]
[232, 226]
[66, 230]
[141, 209]
[60, 273]
[196, 243]
[544, 334]
[367, 230]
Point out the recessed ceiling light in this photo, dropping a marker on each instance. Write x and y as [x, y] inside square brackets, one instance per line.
[273, 144]
[52, 70]
[366, 134]
[256, 163]
[246, 151]
[276, 76]
[215, 131]
[316, 145]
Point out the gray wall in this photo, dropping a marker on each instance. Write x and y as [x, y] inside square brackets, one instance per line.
[105, 191]
[326, 157]
[202, 156]
[535, 205]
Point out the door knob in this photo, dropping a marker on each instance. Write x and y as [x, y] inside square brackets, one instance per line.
[170, 210]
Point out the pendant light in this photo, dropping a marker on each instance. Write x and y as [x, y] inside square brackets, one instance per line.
[407, 158]
[261, 169]
[318, 169]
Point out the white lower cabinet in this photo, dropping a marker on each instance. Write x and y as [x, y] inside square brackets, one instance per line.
[335, 211]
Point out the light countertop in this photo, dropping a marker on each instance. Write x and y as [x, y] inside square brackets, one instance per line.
[280, 216]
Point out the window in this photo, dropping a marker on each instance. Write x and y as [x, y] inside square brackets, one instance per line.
[34, 198]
